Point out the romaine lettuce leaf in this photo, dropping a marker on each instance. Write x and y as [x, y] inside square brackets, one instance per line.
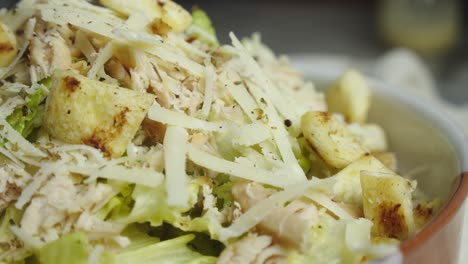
[202, 27]
[171, 251]
[150, 205]
[11, 215]
[29, 116]
[223, 194]
[70, 248]
[120, 205]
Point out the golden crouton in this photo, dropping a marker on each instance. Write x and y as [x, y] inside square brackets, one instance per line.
[81, 110]
[387, 203]
[8, 46]
[331, 139]
[350, 96]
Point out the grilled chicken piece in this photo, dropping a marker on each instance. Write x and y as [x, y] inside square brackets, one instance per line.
[48, 52]
[290, 224]
[253, 249]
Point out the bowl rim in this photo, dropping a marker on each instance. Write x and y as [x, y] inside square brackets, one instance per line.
[449, 129]
[459, 142]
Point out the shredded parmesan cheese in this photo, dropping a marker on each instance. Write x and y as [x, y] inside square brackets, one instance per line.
[235, 169]
[210, 78]
[7, 132]
[175, 148]
[38, 179]
[142, 176]
[103, 56]
[329, 205]
[165, 116]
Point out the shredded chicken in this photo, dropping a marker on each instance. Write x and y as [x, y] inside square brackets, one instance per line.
[57, 201]
[11, 184]
[290, 224]
[49, 51]
[253, 249]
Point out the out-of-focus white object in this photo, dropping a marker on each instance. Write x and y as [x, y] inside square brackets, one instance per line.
[407, 71]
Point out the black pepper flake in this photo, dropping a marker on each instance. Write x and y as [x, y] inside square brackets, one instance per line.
[177, 96]
[69, 112]
[287, 123]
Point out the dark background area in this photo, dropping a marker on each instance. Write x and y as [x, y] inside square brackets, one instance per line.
[339, 27]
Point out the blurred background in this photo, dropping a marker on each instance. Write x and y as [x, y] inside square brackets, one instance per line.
[360, 31]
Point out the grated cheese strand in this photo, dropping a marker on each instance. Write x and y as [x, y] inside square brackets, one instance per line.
[146, 177]
[9, 133]
[38, 179]
[166, 116]
[258, 76]
[102, 24]
[329, 205]
[210, 78]
[177, 58]
[261, 95]
[10, 105]
[221, 165]
[103, 56]
[175, 149]
[241, 95]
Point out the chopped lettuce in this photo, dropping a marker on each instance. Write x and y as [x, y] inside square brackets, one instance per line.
[170, 251]
[202, 27]
[139, 237]
[328, 245]
[151, 206]
[11, 215]
[70, 248]
[29, 116]
[8, 251]
[120, 205]
[223, 194]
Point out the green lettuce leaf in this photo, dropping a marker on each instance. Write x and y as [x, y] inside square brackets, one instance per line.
[150, 205]
[172, 251]
[11, 215]
[202, 27]
[120, 205]
[139, 238]
[8, 251]
[223, 194]
[70, 248]
[329, 244]
[29, 116]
